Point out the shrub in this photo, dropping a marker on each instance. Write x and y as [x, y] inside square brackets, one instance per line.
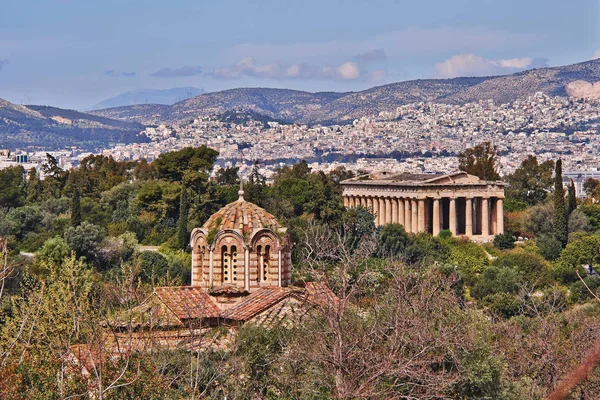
[532, 267]
[504, 241]
[504, 304]
[470, 258]
[445, 234]
[548, 247]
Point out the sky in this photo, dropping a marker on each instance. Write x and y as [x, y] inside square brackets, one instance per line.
[75, 53]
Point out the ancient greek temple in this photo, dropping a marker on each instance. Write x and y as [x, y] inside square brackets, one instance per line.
[459, 202]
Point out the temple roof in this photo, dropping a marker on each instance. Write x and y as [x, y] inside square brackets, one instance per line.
[241, 215]
[409, 179]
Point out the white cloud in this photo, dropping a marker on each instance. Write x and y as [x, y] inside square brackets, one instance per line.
[281, 71]
[472, 65]
[596, 55]
[402, 43]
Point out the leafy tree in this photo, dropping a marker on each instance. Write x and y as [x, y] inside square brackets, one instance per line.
[34, 185]
[255, 190]
[85, 240]
[560, 227]
[548, 247]
[590, 186]
[531, 182]
[12, 187]
[182, 223]
[191, 164]
[504, 241]
[393, 241]
[23, 220]
[530, 266]
[480, 161]
[228, 176]
[75, 209]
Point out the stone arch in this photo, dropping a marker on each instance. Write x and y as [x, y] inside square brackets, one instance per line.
[265, 246]
[200, 257]
[228, 259]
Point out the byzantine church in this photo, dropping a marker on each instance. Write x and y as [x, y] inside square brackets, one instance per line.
[241, 272]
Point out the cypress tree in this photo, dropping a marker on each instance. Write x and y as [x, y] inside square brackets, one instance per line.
[34, 185]
[75, 209]
[561, 232]
[182, 224]
[571, 198]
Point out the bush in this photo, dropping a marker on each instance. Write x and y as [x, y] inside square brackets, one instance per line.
[504, 241]
[470, 258]
[579, 292]
[84, 239]
[504, 304]
[445, 234]
[548, 247]
[532, 267]
[494, 280]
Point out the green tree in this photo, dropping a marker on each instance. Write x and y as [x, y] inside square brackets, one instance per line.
[190, 163]
[34, 185]
[571, 198]
[182, 223]
[85, 240]
[560, 226]
[228, 176]
[480, 161]
[504, 241]
[531, 182]
[75, 208]
[12, 187]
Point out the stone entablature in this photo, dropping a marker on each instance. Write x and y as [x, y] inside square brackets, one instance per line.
[459, 202]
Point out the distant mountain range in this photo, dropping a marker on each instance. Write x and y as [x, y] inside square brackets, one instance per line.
[149, 96]
[52, 128]
[331, 107]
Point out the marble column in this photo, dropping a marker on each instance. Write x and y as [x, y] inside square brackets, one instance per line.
[469, 216]
[407, 216]
[436, 217]
[388, 210]
[452, 216]
[370, 205]
[485, 216]
[394, 205]
[346, 202]
[381, 214]
[401, 211]
[421, 208]
[414, 218]
[500, 215]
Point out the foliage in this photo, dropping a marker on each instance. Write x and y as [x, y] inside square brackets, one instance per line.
[12, 187]
[504, 241]
[182, 223]
[481, 161]
[560, 228]
[548, 247]
[530, 183]
[85, 240]
[75, 209]
[470, 258]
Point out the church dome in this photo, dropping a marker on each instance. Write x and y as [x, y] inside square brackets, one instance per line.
[243, 216]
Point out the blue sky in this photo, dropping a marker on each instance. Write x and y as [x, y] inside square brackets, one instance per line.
[74, 53]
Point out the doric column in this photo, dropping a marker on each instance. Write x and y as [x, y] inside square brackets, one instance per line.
[346, 202]
[381, 216]
[469, 216]
[394, 205]
[401, 211]
[414, 218]
[370, 206]
[485, 216]
[452, 216]
[407, 216]
[436, 217]
[500, 215]
[421, 205]
[388, 210]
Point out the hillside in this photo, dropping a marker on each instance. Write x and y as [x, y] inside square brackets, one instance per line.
[330, 107]
[149, 96]
[22, 126]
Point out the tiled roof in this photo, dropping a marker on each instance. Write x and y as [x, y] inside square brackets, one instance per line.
[241, 215]
[320, 294]
[188, 302]
[257, 302]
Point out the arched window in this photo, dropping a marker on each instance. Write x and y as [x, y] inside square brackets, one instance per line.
[233, 263]
[266, 262]
[225, 270]
[259, 275]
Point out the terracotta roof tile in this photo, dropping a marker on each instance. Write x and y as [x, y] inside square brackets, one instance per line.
[242, 215]
[257, 302]
[188, 302]
[320, 294]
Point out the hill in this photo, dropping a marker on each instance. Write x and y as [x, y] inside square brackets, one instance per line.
[149, 96]
[330, 107]
[23, 126]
